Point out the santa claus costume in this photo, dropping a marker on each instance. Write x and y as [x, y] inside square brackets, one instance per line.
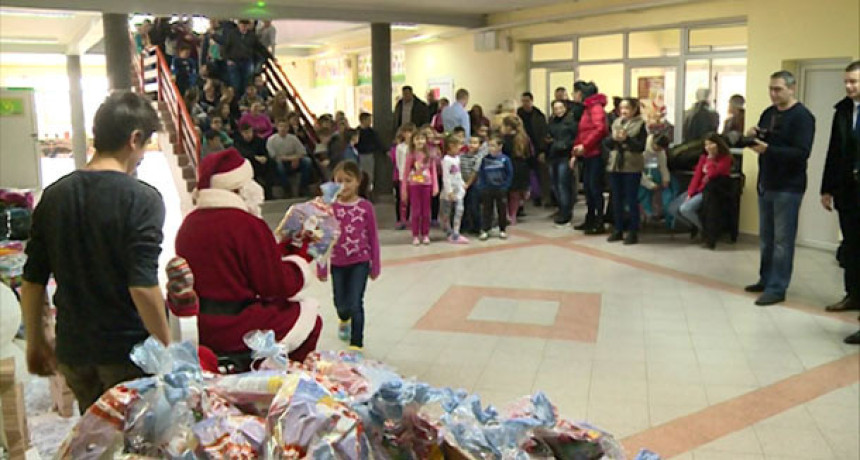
[245, 280]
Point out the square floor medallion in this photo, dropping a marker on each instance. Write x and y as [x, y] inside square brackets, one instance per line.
[515, 312]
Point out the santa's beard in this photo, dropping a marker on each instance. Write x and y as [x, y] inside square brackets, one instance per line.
[253, 196]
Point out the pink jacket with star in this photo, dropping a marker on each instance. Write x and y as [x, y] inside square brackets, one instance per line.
[359, 240]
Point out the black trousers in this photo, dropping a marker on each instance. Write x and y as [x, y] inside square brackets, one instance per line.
[497, 198]
[849, 222]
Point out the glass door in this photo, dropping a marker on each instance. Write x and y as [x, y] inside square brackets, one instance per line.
[543, 82]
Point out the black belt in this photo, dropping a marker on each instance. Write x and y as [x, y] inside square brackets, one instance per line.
[224, 308]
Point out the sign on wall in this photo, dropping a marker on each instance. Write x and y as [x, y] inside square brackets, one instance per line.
[441, 87]
[398, 67]
[328, 72]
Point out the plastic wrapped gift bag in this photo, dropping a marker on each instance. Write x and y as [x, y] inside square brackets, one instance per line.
[313, 221]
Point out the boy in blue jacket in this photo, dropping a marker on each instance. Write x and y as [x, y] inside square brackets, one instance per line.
[494, 180]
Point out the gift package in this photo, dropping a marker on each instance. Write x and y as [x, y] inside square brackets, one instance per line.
[335, 405]
[312, 222]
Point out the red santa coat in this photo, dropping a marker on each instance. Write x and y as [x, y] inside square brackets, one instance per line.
[235, 258]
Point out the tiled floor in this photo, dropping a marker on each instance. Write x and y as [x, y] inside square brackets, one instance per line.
[658, 345]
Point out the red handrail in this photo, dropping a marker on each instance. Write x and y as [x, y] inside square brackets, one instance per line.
[187, 138]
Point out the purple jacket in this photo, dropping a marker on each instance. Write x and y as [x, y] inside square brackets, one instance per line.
[359, 240]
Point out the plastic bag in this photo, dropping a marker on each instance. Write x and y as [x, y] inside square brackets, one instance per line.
[99, 432]
[230, 436]
[312, 221]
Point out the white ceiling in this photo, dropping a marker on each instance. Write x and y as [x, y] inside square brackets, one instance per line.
[23, 30]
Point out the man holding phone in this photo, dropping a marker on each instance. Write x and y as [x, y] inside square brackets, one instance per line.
[783, 141]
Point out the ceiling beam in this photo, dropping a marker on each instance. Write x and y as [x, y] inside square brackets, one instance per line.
[249, 10]
[84, 38]
[32, 48]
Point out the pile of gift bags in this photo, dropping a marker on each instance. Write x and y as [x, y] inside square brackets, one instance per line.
[335, 405]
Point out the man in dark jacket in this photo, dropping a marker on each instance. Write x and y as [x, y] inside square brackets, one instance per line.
[562, 131]
[840, 186]
[534, 123]
[240, 48]
[788, 129]
[701, 119]
[415, 109]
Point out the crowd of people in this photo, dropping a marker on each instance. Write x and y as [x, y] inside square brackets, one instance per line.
[457, 169]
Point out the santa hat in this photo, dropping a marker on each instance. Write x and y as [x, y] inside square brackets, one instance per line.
[225, 170]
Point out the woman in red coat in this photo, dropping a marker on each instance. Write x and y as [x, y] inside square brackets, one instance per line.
[586, 148]
[716, 161]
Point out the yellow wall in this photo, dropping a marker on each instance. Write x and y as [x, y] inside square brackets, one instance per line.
[791, 30]
[489, 76]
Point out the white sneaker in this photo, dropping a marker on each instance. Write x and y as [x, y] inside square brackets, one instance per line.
[416, 241]
[503, 235]
[483, 236]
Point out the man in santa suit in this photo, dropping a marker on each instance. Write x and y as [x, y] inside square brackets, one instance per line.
[243, 278]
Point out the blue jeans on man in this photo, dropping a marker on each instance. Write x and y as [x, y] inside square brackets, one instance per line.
[239, 75]
[286, 168]
[778, 216]
[560, 174]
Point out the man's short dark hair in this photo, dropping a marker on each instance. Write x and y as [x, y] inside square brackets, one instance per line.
[587, 88]
[211, 135]
[407, 88]
[245, 21]
[853, 67]
[786, 76]
[245, 127]
[364, 116]
[560, 88]
[461, 93]
[529, 95]
[120, 115]
[458, 129]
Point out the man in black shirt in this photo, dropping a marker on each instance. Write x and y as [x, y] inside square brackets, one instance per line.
[98, 232]
[253, 148]
[783, 141]
[534, 123]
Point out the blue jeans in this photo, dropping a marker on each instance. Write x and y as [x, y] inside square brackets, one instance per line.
[239, 74]
[625, 194]
[689, 209]
[349, 283]
[285, 168]
[592, 181]
[559, 172]
[777, 220]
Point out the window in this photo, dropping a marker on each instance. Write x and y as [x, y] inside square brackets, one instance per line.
[557, 51]
[537, 86]
[729, 38]
[601, 47]
[654, 43]
[608, 77]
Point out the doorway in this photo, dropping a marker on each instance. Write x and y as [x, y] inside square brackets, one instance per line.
[821, 86]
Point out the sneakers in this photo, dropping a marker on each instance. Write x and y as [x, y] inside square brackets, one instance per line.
[596, 229]
[426, 240]
[769, 299]
[416, 241]
[503, 235]
[344, 330]
[615, 236]
[483, 236]
[357, 351]
[561, 224]
[460, 239]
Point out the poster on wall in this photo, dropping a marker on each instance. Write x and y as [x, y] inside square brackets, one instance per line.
[328, 72]
[398, 67]
[441, 87]
[652, 93]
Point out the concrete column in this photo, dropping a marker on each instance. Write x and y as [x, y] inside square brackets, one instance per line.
[117, 50]
[383, 117]
[76, 102]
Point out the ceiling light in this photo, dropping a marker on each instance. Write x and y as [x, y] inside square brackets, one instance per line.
[403, 26]
[23, 12]
[304, 45]
[29, 41]
[419, 38]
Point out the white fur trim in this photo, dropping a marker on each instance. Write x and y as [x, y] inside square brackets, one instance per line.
[218, 198]
[305, 267]
[304, 325]
[233, 180]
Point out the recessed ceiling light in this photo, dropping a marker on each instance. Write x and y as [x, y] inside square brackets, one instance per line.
[29, 41]
[419, 38]
[30, 13]
[403, 26]
[304, 45]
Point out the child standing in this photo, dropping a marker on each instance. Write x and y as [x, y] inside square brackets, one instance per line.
[185, 69]
[470, 160]
[419, 188]
[355, 257]
[398, 158]
[453, 192]
[519, 149]
[494, 180]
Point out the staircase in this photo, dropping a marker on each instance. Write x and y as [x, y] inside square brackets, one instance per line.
[151, 76]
